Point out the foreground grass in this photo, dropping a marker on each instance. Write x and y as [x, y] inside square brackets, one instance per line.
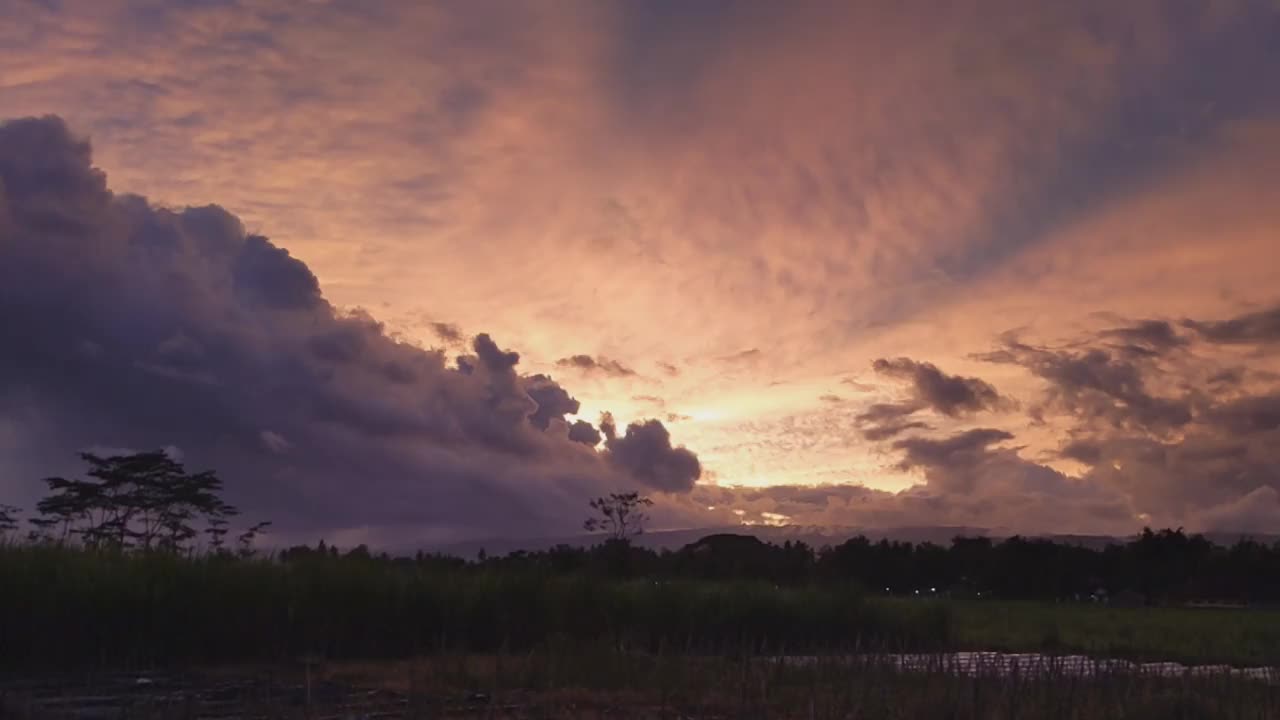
[63, 607]
[580, 685]
[550, 683]
[1187, 635]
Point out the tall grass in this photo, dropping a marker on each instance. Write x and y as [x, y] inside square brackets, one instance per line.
[68, 607]
[64, 607]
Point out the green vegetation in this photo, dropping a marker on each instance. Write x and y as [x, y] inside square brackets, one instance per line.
[1188, 635]
[606, 684]
[115, 575]
[65, 606]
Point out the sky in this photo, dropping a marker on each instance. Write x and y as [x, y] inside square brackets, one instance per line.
[386, 266]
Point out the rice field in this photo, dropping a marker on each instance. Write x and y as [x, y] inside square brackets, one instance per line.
[65, 607]
[610, 684]
[93, 634]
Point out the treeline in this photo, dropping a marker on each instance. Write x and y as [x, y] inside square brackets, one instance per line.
[1155, 568]
[148, 502]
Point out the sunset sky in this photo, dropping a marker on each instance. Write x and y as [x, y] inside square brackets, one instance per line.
[1001, 264]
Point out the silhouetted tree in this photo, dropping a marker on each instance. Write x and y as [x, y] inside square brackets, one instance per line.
[8, 519]
[145, 500]
[247, 537]
[621, 515]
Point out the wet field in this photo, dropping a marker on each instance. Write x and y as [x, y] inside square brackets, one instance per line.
[297, 694]
[998, 664]
[206, 697]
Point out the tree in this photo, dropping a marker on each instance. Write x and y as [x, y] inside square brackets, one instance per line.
[8, 519]
[247, 537]
[621, 515]
[144, 500]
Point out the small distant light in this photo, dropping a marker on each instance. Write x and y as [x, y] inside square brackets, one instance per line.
[933, 590]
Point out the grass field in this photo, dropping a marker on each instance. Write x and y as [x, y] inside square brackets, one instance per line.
[613, 685]
[64, 607]
[1234, 636]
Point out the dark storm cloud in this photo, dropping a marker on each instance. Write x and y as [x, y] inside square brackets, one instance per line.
[268, 275]
[646, 453]
[1184, 438]
[1082, 451]
[1248, 415]
[589, 364]
[1261, 327]
[951, 395]
[134, 326]
[1099, 386]
[554, 402]
[584, 432]
[1147, 338]
[962, 449]
[931, 389]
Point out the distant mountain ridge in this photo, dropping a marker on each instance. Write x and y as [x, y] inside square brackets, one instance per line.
[815, 536]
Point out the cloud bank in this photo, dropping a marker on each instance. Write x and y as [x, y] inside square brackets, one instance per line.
[132, 325]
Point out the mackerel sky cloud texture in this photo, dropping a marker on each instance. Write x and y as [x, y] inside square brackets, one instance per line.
[868, 263]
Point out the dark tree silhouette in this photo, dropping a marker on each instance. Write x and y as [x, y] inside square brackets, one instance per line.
[621, 515]
[247, 537]
[8, 519]
[145, 500]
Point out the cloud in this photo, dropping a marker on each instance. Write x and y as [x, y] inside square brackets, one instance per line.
[1258, 511]
[1256, 327]
[553, 402]
[588, 364]
[930, 389]
[203, 334]
[1015, 164]
[449, 332]
[275, 442]
[1098, 386]
[1147, 338]
[958, 450]
[584, 432]
[950, 395]
[646, 453]
[886, 430]
[881, 421]
[1181, 430]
